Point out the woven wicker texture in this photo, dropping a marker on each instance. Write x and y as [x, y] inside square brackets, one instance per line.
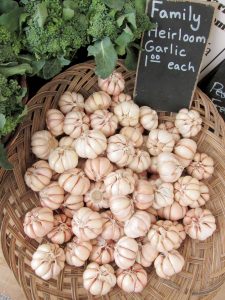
[204, 270]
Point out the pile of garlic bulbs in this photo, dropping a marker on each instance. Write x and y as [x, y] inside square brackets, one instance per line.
[118, 191]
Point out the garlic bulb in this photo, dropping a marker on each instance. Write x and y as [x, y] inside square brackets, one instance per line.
[102, 251]
[202, 166]
[171, 128]
[166, 235]
[118, 99]
[125, 252]
[99, 280]
[204, 196]
[185, 150]
[143, 195]
[42, 143]
[112, 229]
[71, 101]
[148, 118]
[138, 225]
[188, 122]
[62, 231]
[153, 168]
[112, 85]
[163, 194]
[38, 222]
[153, 213]
[169, 167]
[122, 207]
[141, 161]
[90, 144]
[48, 261]
[62, 159]
[169, 263]
[172, 212]
[133, 280]
[75, 123]
[146, 252]
[127, 113]
[86, 224]
[133, 134]
[52, 196]
[97, 198]
[120, 150]
[38, 175]
[55, 121]
[73, 202]
[98, 100]
[98, 168]
[199, 223]
[74, 182]
[120, 182]
[77, 252]
[66, 141]
[104, 121]
[159, 141]
[187, 190]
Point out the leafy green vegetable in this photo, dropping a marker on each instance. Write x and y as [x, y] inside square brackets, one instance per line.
[4, 163]
[116, 4]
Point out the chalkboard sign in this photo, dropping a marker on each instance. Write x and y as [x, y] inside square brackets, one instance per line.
[172, 52]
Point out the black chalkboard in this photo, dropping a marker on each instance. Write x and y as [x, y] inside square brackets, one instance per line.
[172, 52]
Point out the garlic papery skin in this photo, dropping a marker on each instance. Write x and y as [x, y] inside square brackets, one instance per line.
[169, 167]
[112, 85]
[188, 122]
[96, 101]
[43, 143]
[138, 225]
[97, 198]
[125, 252]
[62, 159]
[55, 121]
[127, 113]
[71, 101]
[148, 118]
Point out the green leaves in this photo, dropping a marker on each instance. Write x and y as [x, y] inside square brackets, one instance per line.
[4, 163]
[123, 40]
[41, 14]
[105, 57]
[19, 69]
[9, 14]
[115, 4]
[130, 18]
[2, 121]
[53, 67]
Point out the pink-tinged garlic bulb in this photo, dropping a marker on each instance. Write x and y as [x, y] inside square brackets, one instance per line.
[38, 222]
[97, 198]
[143, 195]
[62, 159]
[112, 85]
[38, 175]
[133, 280]
[199, 223]
[66, 141]
[153, 168]
[75, 123]
[139, 127]
[120, 150]
[118, 99]
[187, 190]
[163, 194]
[204, 196]
[98, 100]
[159, 141]
[90, 144]
[62, 231]
[172, 212]
[71, 101]
[169, 167]
[120, 182]
[42, 143]
[146, 252]
[188, 122]
[68, 212]
[55, 121]
[86, 224]
[133, 134]
[52, 196]
[99, 280]
[153, 213]
[202, 166]
[73, 202]
[127, 113]
[98, 168]
[169, 263]
[141, 161]
[77, 252]
[48, 261]
[122, 207]
[104, 121]
[148, 118]
[166, 235]
[185, 150]
[138, 225]
[171, 128]
[112, 229]
[125, 252]
[102, 251]
[75, 182]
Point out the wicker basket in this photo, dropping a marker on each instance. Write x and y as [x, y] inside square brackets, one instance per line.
[204, 270]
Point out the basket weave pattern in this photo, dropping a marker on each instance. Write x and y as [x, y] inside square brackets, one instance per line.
[204, 270]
